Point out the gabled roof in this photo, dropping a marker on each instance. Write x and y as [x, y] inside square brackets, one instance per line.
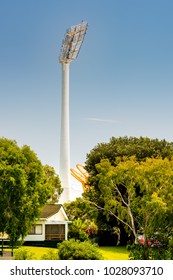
[49, 210]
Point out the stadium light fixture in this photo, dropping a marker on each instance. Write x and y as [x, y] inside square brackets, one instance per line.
[72, 42]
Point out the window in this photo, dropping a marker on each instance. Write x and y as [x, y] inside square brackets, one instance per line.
[36, 230]
[55, 232]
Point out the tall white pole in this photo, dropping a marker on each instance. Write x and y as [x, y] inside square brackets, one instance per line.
[64, 171]
[69, 52]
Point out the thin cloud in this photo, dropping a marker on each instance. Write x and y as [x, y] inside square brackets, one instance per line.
[101, 120]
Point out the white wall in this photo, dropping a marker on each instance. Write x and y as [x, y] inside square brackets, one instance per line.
[41, 237]
[37, 237]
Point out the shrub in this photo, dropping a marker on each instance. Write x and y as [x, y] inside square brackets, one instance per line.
[137, 252]
[23, 254]
[50, 255]
[77, 230]
[77, 250]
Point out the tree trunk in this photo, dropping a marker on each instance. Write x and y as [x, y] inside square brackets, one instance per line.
[146, 248]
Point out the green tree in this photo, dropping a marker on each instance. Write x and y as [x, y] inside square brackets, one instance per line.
[141, 148]
[52, 179]
[82, 214]
[79, 208]
[24, 189]
[139, 195]
[115, 151]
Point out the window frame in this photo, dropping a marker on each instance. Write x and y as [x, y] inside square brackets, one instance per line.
[34, 230]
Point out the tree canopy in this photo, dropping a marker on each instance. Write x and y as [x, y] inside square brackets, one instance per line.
[25, 186]
[142, 148]
[124, 147]
[138, 194]
[131, 180]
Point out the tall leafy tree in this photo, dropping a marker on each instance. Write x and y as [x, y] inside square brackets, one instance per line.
[24, 188]
[139, 195]
[116, 151]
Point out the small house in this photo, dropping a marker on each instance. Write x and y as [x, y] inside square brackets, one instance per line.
[52, 225]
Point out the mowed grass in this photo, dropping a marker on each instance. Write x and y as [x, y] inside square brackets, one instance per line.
[108, 253]
[114, 253]
[38, 252]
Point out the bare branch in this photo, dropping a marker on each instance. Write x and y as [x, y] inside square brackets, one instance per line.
[121, 196]
[110, 212]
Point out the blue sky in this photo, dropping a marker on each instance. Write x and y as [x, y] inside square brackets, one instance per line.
[120, 85]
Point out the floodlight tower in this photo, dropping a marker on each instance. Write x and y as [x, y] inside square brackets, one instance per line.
[69, 51]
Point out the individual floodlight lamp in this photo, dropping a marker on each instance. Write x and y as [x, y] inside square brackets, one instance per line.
[69, 51]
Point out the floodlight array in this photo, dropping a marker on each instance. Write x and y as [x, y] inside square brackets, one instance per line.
[72, 42]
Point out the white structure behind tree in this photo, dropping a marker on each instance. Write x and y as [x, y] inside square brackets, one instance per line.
[69, 52]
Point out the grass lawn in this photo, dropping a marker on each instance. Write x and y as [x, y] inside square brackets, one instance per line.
[37, 252]
[109, 253]
[114, 253]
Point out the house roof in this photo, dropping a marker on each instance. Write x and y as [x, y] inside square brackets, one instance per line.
[49, 210]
